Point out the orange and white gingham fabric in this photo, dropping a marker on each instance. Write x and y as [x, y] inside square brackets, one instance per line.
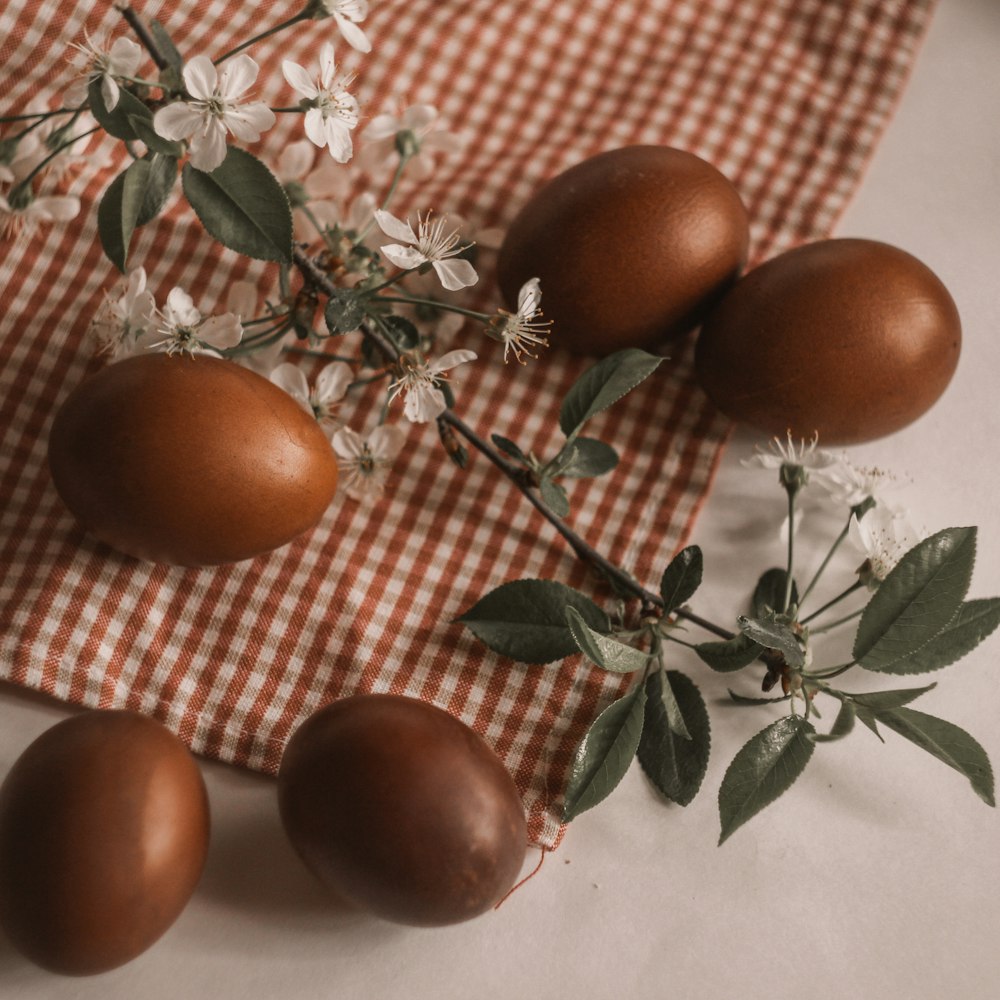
[786, 97]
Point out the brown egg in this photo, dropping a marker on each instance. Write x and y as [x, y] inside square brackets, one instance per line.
[189, 460]
[403, 809]
[848, 338]
[103, 834]
[632, 246]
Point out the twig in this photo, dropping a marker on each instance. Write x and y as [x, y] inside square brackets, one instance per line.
[136, 24]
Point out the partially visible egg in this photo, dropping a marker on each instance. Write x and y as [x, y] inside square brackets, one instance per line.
[402, 809]
[189, 460]
[104, 828]
[632, 246]
[850, 339]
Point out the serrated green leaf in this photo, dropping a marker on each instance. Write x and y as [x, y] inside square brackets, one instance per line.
[973, 622]
[842, 725]
[509, 448]
[769, 594]
[917, 600]
[675, 717]
[604, 384]
[143, 128]
[165, 44]
[605, 754]
[403, 333]
[889, 699]
[117, 122]
[344, 312]
[774, 635]
[526, 620]
[742, 699]
[681, 578]
[554, 496]
[588, 458]
[946, 741]
[603, 650]
[765, 768]
[674, 765]
[243, 206]
[729, 654]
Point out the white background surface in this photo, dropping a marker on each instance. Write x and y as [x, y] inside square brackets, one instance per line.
[876, 876]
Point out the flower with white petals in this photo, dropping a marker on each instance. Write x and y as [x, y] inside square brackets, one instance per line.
[96, 61]
[322, 399]
[794, 462]
[214, 110]
[884, 534]
[125, 315]
[21, 214]
[418, 129]
[522, 332]
[848, 484]
[181, 328]
[418, 384]
[348, 14]
[365, 463]
[332, 110]
[430, 244]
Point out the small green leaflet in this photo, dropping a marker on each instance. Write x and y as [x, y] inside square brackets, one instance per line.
[344, 311]
[675, 766]
[765, 767]
[143, 128]
[877, 700]
[917, 600]
[842, 725]
[554, 496]
[509, 448]
[769, 594]
[604, 384]
[526, 620]
[603, 650]
[243, 206]
[165, 44]
[681, 578]
[729, 654]
[774, 635]
[584, 458]
[117, 122]
[402, 332]
[946, 741]
[605, 753]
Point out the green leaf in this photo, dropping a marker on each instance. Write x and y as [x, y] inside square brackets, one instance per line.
[509, 448]
[730, 654]
[603, 650]
[554, 496]
[605, 753]
[877, 700]
[681, 578]
[774, 635]
[603, 384]
[143, 128]
[117, 122]
[917, 600]
[344, 311]
[403, 333]
[526, 620]
[842, 725]
[671, 706]
[769, 593]
[165, 44]
[766, 766]
[973, 622]
[674, 765]
[587, 458]
[243, 206]
[946, 741]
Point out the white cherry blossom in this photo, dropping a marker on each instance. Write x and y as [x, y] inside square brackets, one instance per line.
[215, 110]
[126, 313]
[851, 485]
[365, 462]
[96, 61]
[181, 328]
[523, 332]
[321, 399]
[430, 244]
[348, 14]
[426, 135]
[419, 381]
[333, 111]
[21, 216]
[884, 534]
[804, 455]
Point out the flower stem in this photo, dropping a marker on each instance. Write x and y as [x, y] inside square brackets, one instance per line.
[404, 158]
[791, 550]
[301, 16]
[72, 141]
[40, 115]
[826, 561]
[415, 301]
[857, 585]
[840, 621]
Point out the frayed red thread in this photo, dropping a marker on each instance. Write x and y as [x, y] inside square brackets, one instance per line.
[510, 892]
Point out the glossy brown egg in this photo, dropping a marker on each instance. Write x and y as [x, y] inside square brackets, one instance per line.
[103, 834]
[189, 460]
[848, 338]
[632, 246]
[402, 809]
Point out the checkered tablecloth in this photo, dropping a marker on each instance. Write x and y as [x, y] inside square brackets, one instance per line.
[786, 97]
